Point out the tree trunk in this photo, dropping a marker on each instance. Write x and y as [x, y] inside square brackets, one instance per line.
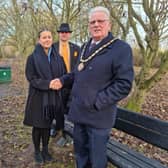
[136, 100]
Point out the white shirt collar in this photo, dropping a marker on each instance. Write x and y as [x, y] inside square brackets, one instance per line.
[97, 42]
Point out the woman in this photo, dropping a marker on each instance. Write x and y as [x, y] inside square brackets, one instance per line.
[44, 103]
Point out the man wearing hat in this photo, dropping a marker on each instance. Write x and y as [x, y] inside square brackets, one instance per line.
[70, 52]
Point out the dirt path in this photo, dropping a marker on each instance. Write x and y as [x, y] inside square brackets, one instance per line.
[5, 90]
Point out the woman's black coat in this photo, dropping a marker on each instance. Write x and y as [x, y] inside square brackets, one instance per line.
[39, 86]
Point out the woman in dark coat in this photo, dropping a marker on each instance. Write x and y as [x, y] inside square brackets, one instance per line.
[44, 102]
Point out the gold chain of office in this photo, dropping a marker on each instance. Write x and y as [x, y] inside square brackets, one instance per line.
[82, 61]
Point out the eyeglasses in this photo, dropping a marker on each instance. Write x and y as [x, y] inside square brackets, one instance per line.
[98, 21]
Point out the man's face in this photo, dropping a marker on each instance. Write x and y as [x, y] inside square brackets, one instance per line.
[99, 25]
[45, 39]
[64, 36]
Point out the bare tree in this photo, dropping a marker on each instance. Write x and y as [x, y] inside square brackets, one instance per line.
[66, 11]
[21, 23]
[120, 22]
[155, 27]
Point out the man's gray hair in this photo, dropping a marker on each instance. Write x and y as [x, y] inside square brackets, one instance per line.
[99, 9]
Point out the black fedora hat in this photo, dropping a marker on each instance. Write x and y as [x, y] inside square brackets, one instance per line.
[64, 27]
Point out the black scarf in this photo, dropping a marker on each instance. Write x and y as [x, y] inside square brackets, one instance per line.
[52, 100]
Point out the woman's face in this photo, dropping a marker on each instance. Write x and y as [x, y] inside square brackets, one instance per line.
[45, 39]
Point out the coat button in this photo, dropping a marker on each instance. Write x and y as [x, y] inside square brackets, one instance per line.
[90, 68]
[104, 101]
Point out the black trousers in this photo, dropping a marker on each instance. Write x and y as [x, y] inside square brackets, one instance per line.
[38, 135]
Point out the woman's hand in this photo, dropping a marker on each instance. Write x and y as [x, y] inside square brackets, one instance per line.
[55, 84]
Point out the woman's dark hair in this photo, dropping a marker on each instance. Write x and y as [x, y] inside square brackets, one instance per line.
[42, 30]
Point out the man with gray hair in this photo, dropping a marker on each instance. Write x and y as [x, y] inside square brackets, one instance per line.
[102, 77]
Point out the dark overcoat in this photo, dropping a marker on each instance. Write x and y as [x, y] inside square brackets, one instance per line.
[38, 86]
[74, 53]
[105, 80]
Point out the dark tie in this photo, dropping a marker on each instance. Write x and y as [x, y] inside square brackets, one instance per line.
[92, 45]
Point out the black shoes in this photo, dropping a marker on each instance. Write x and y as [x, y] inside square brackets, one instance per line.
[46, 156]
[42, 157]
[38, 158]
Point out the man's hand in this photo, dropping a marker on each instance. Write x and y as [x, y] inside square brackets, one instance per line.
[55, 84]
